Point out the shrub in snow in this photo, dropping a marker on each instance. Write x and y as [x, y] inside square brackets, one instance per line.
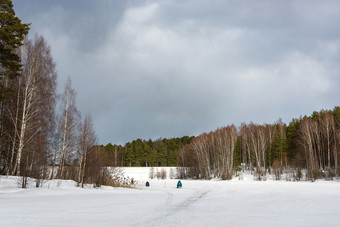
[152, 173]
[172, 173]
[163, 173]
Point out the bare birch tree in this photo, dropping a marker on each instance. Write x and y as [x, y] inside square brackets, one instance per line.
[327, 126]
[87, 140]
[37, 94]
[70, 121]
[306, 130]
[225, 146]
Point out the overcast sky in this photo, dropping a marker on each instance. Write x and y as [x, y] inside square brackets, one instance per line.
[151, 69]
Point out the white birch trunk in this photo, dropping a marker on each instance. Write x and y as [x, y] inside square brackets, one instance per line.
[26, 115]
[65, 131]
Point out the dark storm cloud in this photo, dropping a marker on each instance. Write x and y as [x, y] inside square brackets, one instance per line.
[149, 69]
[85, 21]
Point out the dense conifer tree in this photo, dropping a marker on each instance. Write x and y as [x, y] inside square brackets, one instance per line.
[237, 153]
[12, 33]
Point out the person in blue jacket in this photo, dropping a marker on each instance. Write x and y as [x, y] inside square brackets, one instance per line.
[179, 184]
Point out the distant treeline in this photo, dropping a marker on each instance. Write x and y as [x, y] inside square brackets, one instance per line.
[311, 143]
[308, 142]
[161, 152]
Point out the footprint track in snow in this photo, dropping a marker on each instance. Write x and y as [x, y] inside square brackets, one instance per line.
[173, 209]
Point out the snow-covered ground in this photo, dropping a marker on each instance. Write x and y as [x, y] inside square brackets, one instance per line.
[198, 203]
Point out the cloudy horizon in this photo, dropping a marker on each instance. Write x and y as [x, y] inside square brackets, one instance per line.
[151, 69]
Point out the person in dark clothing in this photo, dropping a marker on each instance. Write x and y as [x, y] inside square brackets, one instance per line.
[147, 184]
[179, 184]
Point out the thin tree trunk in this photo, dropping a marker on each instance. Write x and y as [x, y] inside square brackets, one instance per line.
[64, 151]
[15, 134]
[27, 102]
[54, 160]
[335, 152]
[81, 162]
[83, 172]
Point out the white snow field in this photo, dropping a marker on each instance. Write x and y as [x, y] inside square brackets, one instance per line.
[198, 203]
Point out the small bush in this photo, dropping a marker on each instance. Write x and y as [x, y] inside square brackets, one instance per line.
[330, 174]
[172, 175]
[152, 173]
[298, 175]
[313, 175]
[163, 173]
[158, 175]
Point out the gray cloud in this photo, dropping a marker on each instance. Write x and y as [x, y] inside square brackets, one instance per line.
[149, 69]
